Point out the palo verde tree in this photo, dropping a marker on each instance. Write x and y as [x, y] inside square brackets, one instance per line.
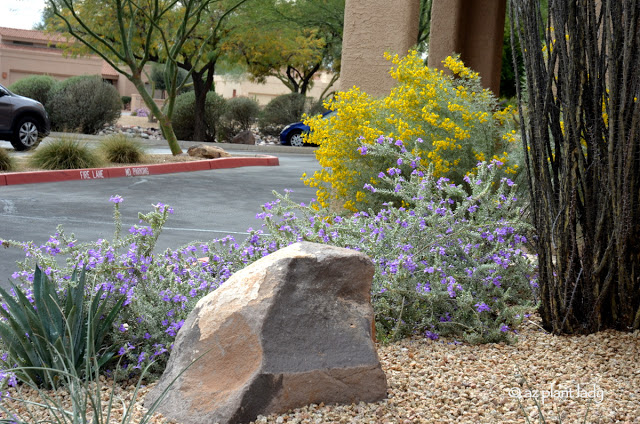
[581, 135]
[128, 34]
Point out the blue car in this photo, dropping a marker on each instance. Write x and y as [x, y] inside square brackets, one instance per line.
[292, 134]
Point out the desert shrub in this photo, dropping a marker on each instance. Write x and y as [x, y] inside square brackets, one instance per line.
[36, 87]
[84, 104]
[126, 101]
[282, 111]
[183, 118]
[64, 153]
[452, 264]
[7, 163]
[449, 121]
[241, 113]
[119, 148]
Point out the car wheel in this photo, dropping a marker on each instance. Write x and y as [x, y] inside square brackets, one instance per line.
[295, 138]
[27, 134]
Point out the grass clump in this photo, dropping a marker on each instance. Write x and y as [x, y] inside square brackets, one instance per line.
[64, 153]
[119, 148]
[7, 163]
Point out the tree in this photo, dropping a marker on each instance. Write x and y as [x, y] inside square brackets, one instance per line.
[582, 142]
[291, 41]
[128, 34]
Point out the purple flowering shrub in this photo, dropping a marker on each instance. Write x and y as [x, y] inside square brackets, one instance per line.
[161, 288]
[449, 258]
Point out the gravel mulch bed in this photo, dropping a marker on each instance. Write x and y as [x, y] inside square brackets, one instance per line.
[448, 382]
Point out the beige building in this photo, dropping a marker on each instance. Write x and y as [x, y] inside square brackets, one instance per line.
[26, 52]
[30, 52]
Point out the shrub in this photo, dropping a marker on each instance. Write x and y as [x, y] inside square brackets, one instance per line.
[55, 322]
[282, 111]
[36, 87]
[241, 113]
[183, 118]
[454, 116]
[119, 148]
[126, 101]
[64, 153]
[7, 163]
[85, 104]
[452, 264]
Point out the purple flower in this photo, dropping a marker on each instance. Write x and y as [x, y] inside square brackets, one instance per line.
[115, 199]
[504, 328]
[480, 307]
[362, 150]
[431, 335]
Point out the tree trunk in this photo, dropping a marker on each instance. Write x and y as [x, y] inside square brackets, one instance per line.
[163, 120]
[201, 86]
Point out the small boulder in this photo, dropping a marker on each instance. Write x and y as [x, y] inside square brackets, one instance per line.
[244, 137]
[207, 152]
[292, 329]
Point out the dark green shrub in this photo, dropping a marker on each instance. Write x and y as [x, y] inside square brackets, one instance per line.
[84, 104]
[184, 111]
[55, 326]
[64, 153]
[119, 148]
[126, 101]
[282, 111]
[36, 87]
[6, 162]
[241, 113]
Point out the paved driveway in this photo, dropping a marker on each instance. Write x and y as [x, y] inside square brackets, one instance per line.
[208, 204]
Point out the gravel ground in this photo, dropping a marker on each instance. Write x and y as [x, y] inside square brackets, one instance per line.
[447, 382]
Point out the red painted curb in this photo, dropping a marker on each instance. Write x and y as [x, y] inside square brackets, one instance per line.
[12, 178]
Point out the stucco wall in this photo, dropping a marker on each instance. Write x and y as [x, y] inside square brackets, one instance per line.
[372, 27]
[475, 30]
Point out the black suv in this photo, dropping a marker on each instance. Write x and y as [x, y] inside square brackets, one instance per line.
[23, 121]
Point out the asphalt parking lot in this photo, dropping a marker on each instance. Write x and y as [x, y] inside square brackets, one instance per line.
[208, 204]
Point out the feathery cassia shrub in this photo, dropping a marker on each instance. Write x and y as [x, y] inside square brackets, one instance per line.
[455, 122]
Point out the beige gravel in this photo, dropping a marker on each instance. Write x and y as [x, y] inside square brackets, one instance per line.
[443, 382]
[128, 120]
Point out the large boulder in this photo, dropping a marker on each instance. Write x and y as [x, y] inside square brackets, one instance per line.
[207, 152]
[293, 328]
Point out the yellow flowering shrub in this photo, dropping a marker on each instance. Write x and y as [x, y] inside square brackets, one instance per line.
[457, 121]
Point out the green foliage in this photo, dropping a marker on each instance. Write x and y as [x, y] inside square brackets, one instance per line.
[84, 104]
[36, 87]
[291, 41]
[184, 115]
[50, 334]
[282, 111]
[90, 401]
[241, 113]
[126, 100]
[7, 163]
[119, 148]
[64, 153]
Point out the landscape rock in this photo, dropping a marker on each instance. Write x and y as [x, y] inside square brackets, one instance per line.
[207, 152]
[244, 137]
[292, 329]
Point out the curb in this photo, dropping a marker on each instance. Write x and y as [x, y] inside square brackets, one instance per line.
[12, 178]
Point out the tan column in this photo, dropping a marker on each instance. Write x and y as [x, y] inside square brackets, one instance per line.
[372, 27]
[475, 30]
